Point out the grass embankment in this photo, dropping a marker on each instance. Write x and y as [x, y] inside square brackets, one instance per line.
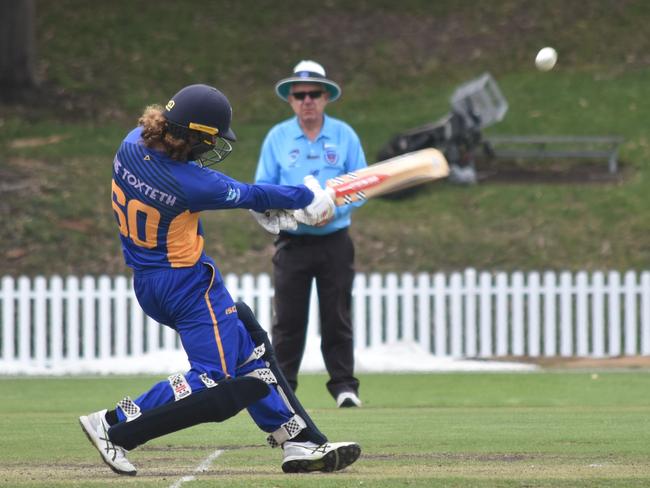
[101, 63]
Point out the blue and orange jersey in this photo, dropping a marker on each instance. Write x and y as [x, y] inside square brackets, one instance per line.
[157, 202]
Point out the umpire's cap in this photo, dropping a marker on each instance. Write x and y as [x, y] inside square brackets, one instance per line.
[307, 72]
[202, 108]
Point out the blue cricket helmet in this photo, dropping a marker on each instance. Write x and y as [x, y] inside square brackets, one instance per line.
[204, 112]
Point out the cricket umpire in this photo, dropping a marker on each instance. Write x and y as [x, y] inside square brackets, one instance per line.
[313, 143]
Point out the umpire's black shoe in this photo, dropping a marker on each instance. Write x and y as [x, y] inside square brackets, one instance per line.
[347, 399]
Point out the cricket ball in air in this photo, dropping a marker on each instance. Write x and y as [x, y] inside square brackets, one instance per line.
[546, 59]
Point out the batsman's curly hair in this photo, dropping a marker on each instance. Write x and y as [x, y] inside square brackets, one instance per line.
[155, 135]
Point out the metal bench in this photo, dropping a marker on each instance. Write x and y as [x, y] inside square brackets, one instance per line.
[555, 147]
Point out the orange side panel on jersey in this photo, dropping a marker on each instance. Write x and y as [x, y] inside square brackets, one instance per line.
[215, 326]
[184, 245]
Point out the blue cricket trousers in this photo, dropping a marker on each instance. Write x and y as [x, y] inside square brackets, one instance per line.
[194, 302]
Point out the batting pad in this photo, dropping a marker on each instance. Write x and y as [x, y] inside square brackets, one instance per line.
[215, 404]
[259, 336]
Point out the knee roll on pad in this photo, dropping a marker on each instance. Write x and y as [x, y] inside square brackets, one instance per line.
[215, 404]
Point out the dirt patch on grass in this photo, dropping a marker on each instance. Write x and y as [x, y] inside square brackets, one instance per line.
[555, 171]
[555, 362]
[455, 456]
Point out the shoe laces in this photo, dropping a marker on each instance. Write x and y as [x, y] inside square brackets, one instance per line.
[313, 448]
[321, 449]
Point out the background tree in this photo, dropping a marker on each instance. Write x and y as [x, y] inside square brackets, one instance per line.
[17, 45]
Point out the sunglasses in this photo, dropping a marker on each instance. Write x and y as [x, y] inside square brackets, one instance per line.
[312, 94]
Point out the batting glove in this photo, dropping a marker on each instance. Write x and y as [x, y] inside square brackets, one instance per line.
[275, 220]
[321, 209]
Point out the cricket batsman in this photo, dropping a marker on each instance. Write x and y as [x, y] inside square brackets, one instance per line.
[161, 182]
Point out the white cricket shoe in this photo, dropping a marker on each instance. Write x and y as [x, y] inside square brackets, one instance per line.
[96, 429]
[304, 457]
[347, 399]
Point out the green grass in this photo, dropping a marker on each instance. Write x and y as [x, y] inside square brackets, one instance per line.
[398, 64]
[544, 429]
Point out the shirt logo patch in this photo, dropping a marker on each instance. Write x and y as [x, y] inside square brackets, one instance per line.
[331, 156]
[233, 194]
[293, 157]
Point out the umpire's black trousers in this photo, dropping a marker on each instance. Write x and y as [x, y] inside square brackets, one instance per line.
[297, 261]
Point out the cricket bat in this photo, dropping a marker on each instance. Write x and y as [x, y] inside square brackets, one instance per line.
[394, 174]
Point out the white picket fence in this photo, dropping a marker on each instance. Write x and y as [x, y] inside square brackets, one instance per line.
[470, 314]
